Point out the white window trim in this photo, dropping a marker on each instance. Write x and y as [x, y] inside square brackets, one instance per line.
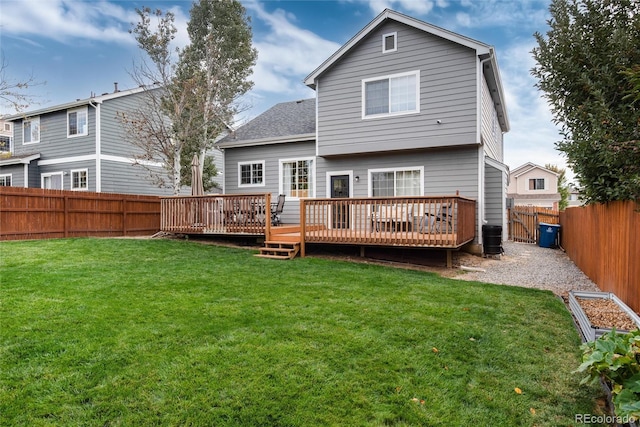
[395, 42]
[50, 174]
[253, 162]
[544, 183]
[5, 175]
[71, 172]
[338, 173]
[32, 119]
[312, 173]
[390, 114]
[10, 145]
[402, 168]
[86, 114]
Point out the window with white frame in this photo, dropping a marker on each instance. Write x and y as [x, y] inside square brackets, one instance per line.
[5, 180]
[251, 174]
[31, 130]
[296, 177]
[77, 122]
[80, 179]
[536, 184]
[389, 42]
[5, 143]
[51, 181]
[396, 182]
[7, 127]
[391, 95]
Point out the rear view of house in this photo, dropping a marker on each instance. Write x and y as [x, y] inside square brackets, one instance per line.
[404, 108]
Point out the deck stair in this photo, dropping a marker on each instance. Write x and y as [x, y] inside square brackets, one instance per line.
[284, 243]
[279, 250]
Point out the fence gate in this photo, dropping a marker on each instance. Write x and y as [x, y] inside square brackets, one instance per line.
[524, 222]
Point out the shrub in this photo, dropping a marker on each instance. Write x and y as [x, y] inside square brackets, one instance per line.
[615, 358]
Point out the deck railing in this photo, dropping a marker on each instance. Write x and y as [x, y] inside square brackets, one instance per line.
[444, 222]
[217, 214]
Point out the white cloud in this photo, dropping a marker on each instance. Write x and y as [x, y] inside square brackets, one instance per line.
[65, 20]
[287, 53]
[533, 135]
[420, 7]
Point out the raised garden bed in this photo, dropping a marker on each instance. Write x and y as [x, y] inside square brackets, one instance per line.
[599, 312]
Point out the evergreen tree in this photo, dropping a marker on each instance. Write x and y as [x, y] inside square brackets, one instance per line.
[587, 67]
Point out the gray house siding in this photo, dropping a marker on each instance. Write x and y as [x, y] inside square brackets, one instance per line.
[495, 197]
[491, 131]
[271, 155]
[66, 169]
[16, 172]
[119, 173]
[448, 92]
[114, 141]
[53, 137]
[445, 171]
[124, 177]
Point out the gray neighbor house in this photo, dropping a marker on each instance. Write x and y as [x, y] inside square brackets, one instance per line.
[77, 146]
[404, 108]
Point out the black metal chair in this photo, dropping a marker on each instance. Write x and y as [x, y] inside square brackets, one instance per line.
[276, 210]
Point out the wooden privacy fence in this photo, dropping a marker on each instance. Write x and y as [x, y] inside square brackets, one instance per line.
[524, 222]
[604, 242]
[34, 213]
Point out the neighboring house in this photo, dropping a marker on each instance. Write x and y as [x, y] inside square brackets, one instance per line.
[574, 196]
[78, 146]
[403, 108]
[6, 147]
[534, 185]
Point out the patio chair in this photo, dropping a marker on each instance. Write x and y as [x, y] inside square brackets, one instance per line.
[276, 210]
[440, 222]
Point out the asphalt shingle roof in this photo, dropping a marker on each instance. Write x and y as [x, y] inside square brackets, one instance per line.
[282, 120]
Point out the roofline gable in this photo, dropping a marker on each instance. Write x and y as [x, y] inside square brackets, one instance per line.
[479, 47]
[78, 103]
[528, 167]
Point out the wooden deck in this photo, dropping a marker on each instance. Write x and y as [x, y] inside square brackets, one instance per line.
[443, 222]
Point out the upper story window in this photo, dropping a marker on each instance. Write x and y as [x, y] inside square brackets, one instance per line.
[31, 130]
[7, 127]
[251, 174]
[77, 122]
[389, 42]
[536, 184]
[391, 95]
[79, 179]
[5, 143]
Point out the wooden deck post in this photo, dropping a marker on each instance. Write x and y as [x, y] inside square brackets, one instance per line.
[303, 221]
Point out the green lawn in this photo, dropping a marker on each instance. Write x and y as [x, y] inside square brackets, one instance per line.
[124, 332]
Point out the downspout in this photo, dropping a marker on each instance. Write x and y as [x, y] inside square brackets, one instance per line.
[98, 146]
[481, 195]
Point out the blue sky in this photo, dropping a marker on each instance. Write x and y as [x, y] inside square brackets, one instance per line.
[81, 48]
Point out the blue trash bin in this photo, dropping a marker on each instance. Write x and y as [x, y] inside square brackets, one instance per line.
[548, 235]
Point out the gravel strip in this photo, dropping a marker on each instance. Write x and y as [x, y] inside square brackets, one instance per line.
[531, 266]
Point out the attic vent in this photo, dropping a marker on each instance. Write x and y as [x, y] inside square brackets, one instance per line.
[389, 42]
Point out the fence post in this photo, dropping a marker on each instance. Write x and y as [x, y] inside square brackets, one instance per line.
[124, 216]
[65, 201]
